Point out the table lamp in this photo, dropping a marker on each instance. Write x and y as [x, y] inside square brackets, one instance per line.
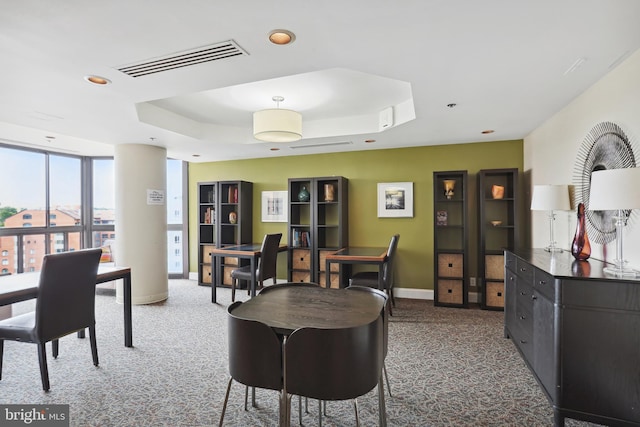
[550, 198]
[616, 189]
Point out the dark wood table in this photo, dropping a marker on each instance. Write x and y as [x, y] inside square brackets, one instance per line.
[250, 251]
[358, 255]
[287, 308]
[21, 287]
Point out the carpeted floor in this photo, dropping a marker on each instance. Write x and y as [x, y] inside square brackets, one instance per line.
[447, 367]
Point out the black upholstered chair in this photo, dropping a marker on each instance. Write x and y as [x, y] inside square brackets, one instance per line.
[255, 356]
[266, 268]
[385, 325]
[333, 364]
[65, 304]
[370, 278]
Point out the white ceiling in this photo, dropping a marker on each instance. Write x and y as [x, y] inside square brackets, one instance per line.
[503, 62]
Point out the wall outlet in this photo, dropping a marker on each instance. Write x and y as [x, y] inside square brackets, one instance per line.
[472, 282]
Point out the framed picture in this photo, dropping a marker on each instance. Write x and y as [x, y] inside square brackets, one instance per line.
[395, 199]
[274, 206]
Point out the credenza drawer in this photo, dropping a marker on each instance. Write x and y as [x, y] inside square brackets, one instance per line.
[524, 270]
[544, 283]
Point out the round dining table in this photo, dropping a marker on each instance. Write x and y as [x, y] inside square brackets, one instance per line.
[290, 306]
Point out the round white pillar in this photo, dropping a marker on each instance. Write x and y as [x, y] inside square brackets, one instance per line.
[141, 220]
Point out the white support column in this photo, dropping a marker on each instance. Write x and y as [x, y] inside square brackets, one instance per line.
[141, 220]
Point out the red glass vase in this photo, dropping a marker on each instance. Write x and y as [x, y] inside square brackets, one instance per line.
[581, 248]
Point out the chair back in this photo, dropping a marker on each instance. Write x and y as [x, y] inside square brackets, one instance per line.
[383, 313]
[255, 352]
[334, 364]
[387, 273]
[67, 293]
[269, 259]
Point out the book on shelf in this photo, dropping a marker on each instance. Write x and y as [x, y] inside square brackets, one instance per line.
[301, 239]
[441, 218]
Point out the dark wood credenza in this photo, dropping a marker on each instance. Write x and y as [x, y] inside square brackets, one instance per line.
[578, 330]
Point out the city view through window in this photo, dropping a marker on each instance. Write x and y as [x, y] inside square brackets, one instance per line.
[42, 212]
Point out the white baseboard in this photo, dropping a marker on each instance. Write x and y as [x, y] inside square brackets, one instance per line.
[412, 293]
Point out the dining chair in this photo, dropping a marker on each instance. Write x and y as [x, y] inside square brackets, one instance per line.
[333, 364]
[385, 326]
[370, 278]
[248, 339]
[266, 268]
[65, 303]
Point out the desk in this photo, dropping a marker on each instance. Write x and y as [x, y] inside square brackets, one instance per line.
[287, 308]
[358, 255]
[21, 287]
[250, 251]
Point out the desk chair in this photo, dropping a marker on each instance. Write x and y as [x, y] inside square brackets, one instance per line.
[266, 268]
[65, 304]
[370, 278]
[255, 356]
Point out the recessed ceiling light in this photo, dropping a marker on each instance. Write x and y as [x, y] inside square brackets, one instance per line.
[50, 138]
[452, 105]
[488, 131]
[196, 155]
[274, 149]
[97, 80]
[369, 141]
[281, 37]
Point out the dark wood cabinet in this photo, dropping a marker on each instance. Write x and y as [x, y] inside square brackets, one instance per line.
[225, 218]
[318, 224]
[451, 235]
[497, 231]
[578, 331]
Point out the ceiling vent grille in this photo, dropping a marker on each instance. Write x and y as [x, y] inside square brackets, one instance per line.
[183, 59]
[327, 144]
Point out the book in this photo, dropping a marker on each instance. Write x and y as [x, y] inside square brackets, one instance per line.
[441, 218]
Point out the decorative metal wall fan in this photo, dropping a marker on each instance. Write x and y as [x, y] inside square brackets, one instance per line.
[606, 146]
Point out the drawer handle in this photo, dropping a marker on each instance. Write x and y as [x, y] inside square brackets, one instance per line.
[523, 341]
[523, 317]
[523, 293]
[543, 282]
[523, 269]
[533, 297]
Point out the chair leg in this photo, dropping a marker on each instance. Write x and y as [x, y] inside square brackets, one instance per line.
[382, 409]
[1, 356]
[226, 399]
[44, 372]
[94, 345]
[233, 290]
[55, 348]
[300, 410]
[319, 413]
[386, 377]
[355, 406]
[246, 396]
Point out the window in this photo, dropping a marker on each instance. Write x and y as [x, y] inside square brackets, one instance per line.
[5, 271]
[27, 224]
[52, 216]
[176, 238]
[5, 262]
[32, 251]
[5, 253]
[27, 216]
[53, 224]
[32, 260]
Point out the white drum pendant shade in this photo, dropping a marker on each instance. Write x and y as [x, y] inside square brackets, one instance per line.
[277, 125]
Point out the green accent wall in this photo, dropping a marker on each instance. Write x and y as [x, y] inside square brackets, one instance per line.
[365, 169]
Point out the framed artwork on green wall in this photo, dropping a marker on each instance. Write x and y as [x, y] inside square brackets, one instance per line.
[274, 206]
[395, 200]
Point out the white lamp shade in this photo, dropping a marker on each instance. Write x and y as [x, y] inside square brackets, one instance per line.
[613, 189]
[277, 125]
[550, 198]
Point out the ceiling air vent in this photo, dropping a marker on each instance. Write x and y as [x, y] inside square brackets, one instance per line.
[326, 144]
[183, 59]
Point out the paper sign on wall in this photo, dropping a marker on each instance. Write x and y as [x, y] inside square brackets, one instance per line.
[155, 197]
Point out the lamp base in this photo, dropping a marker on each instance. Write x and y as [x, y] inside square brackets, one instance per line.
[621, 271]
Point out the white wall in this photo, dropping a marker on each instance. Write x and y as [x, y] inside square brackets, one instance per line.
[550, 151]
